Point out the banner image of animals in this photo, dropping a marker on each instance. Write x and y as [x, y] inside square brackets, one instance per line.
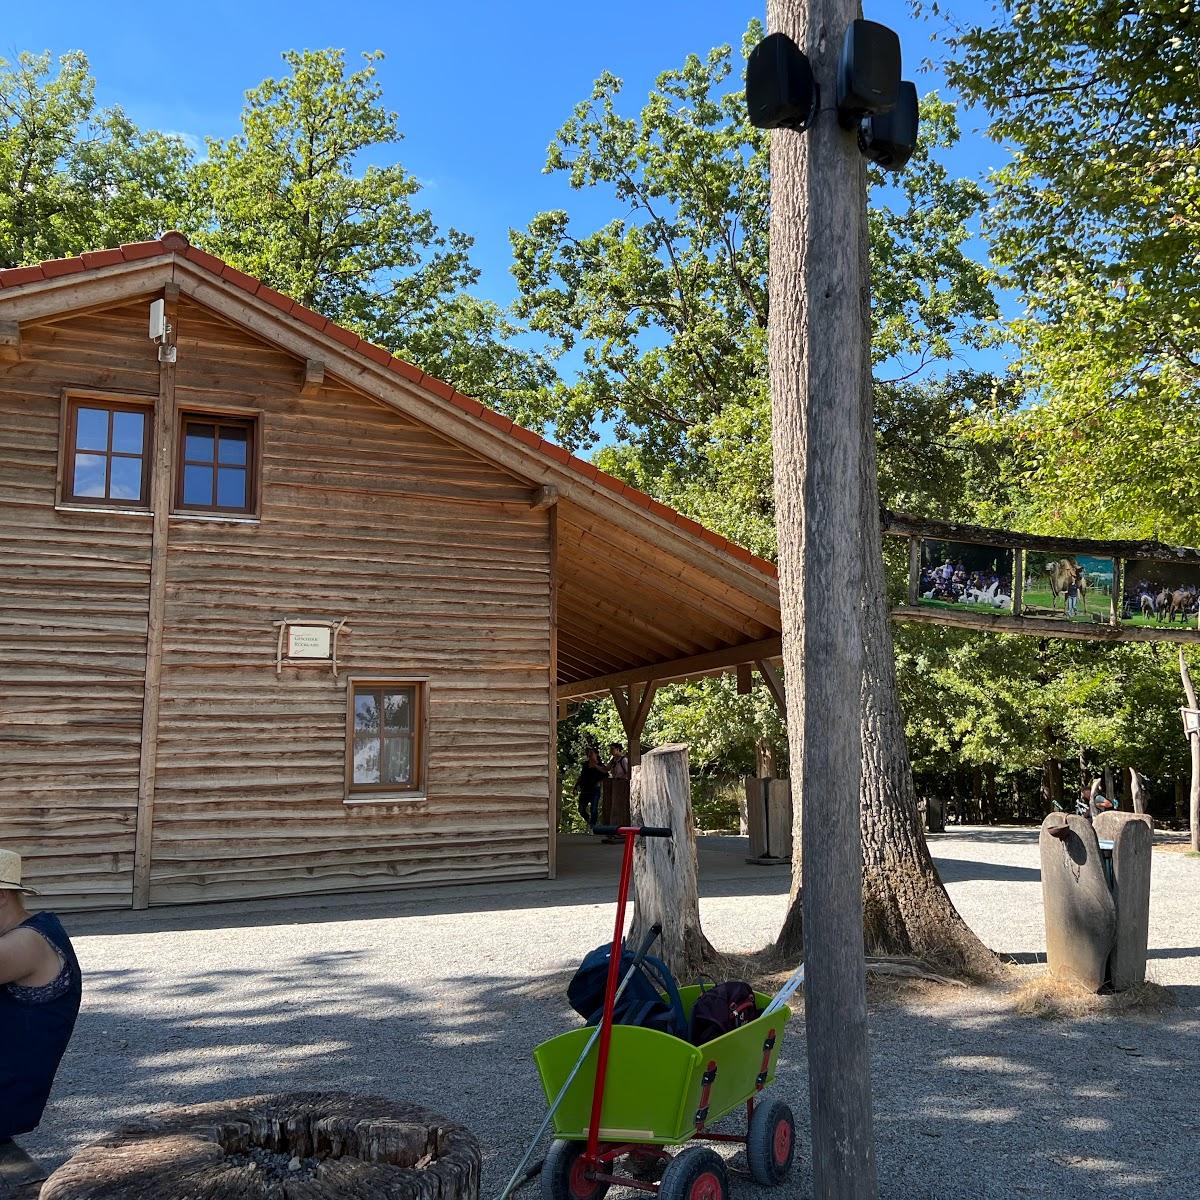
[1160, 594]
[964, 575]
[1072, 587]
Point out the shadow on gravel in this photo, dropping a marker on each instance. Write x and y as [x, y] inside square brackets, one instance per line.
[959, 870]
[970, 1099]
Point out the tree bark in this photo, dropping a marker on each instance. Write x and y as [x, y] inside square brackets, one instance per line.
[665, 888]
[819, 353]
[906, 910]
[1194, 746]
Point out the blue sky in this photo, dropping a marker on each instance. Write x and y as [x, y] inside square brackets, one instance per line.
[480, 87]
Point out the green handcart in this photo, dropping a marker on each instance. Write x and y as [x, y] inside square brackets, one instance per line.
[615, 1112]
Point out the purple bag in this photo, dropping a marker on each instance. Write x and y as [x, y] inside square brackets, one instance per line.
[721, 1009]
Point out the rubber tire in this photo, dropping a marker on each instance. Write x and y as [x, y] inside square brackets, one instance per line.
[769, 1150]
[696, 1173]
[559, 1171]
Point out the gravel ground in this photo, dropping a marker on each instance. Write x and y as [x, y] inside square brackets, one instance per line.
[438, 999]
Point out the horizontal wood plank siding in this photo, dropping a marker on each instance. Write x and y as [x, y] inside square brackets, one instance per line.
[74, 589]
[442, 570]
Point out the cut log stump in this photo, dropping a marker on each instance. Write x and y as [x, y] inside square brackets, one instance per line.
[297, 1146]
[1081, 918]
[665, 886]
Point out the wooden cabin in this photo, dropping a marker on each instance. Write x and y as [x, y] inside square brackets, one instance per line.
[280, 614]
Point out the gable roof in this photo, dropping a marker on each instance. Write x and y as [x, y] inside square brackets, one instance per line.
[762, 621]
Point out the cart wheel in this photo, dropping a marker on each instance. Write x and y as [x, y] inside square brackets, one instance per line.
[696, 1173]
[771, 1143]
[564, 1174]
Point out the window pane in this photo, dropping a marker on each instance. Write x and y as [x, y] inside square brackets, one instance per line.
[232, 445]
[197, 485]
[366, 713]
[129, 430]
[125, 481]
[89, 475]
[397, 711]
[397, 760]
[231, 487]
[198, 444]
[366, 759]
[91, 429]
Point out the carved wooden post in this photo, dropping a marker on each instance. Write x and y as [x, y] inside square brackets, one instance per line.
[665, 886]
[1132, 837]
[1136, 794]
[1081, 917]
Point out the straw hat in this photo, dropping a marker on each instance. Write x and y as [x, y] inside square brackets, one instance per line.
[10, 873]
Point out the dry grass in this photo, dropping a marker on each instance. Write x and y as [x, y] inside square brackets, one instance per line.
[1056, 998]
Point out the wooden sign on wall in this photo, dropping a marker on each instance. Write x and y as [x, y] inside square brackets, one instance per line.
[307, 641]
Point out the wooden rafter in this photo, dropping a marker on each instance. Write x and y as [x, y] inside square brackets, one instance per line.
[693, 667]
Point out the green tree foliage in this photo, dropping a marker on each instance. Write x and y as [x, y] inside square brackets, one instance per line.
[664, 309]
[74, 176]
[310, 198]
[1095, 222]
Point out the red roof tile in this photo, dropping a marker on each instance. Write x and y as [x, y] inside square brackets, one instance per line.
[176, 243]
[135, 250]
[15, 276]
[246, 282]
[101, 258]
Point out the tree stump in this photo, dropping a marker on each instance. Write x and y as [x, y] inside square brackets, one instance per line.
[1133, 842]
[665, 887]
[1081, 917]
[298, 1146]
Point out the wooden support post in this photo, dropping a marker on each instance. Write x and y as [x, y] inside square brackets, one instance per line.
[774, 682]
[314, 377]
[1018, 582]
[552, 747]
[10, 342]
[1194, 747]
[745, 679]
[160, 502]
[633, 707]
[665, 884]
[914, 569]
[821, 404]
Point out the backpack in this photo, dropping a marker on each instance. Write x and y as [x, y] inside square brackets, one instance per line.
[721, 1009]
[651, 998]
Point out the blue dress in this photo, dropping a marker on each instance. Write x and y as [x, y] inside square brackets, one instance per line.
[35, 1026]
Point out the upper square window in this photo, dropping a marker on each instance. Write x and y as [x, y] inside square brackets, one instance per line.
[216, 461]
[108, 459]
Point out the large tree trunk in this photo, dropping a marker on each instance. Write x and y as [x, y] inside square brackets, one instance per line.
[906, 910]
[820, 390]
[665, 888]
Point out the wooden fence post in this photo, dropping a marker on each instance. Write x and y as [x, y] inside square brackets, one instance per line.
[665, 885]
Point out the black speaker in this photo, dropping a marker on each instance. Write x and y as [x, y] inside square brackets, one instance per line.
[890, 138]
[780, 90]
[868, 79]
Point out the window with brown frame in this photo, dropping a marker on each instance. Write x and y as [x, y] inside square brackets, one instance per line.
[383, 737]
[108, 453]
[216, 464]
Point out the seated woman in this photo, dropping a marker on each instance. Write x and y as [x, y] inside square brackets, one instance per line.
[40, 988]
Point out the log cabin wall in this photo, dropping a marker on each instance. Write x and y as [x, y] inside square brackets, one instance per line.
[74, 588]
[433, 556]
